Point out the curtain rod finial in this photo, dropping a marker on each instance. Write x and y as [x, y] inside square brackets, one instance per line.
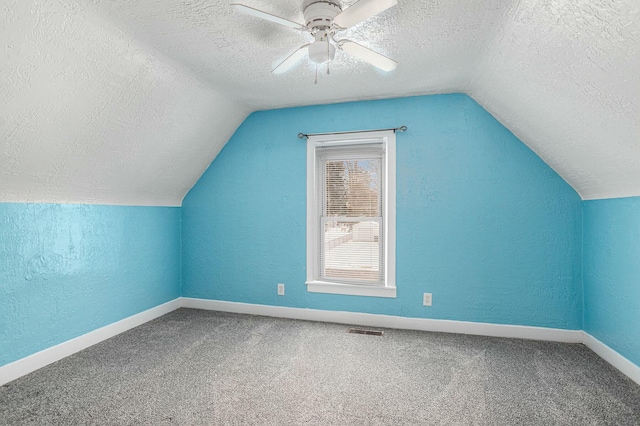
[301, 135]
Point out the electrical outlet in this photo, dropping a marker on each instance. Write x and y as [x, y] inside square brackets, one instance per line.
[426, 299]
[280, 289]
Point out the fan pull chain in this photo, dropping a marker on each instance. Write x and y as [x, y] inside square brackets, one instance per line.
[316, 82]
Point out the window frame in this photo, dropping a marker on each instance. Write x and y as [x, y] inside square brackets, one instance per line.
[315, 285]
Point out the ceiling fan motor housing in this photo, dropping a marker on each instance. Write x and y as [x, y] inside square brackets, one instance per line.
[319, 15]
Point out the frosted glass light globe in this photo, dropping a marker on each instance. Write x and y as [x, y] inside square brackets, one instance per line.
[322, 52]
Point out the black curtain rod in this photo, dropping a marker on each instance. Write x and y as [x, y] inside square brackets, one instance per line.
[395, 129]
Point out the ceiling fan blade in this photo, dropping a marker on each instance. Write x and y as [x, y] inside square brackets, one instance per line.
[361, 11]
[267, 16]
[293, 59]
[368, 55]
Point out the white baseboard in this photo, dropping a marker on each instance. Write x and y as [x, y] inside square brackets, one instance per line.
[625, 366]
[388, 321]
[45, 357]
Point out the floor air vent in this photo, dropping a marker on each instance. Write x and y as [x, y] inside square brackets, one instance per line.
[369, 332]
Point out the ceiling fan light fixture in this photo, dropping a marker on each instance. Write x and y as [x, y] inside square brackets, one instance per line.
[321, 52]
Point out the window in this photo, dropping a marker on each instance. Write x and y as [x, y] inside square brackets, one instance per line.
[351, 214]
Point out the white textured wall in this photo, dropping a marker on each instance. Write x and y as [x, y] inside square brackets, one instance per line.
[90, 116]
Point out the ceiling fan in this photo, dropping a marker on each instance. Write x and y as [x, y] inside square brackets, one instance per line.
[323, 19]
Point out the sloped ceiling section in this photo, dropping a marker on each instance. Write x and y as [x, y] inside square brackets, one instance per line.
[89, 115]
[564, 76]
[128, 102]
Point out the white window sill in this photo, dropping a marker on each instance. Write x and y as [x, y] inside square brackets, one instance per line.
[350, 289]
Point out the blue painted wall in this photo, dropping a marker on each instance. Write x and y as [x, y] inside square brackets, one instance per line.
[482, 222]
[612, 274]
[66, 270]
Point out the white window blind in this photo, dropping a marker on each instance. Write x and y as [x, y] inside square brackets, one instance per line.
[350, 208]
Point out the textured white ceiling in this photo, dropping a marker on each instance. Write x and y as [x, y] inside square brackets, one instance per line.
[88, 115]
[434, 41]
[564, 76]
[127, 102]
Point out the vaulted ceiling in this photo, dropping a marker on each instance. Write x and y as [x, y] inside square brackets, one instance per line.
[128, 102]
